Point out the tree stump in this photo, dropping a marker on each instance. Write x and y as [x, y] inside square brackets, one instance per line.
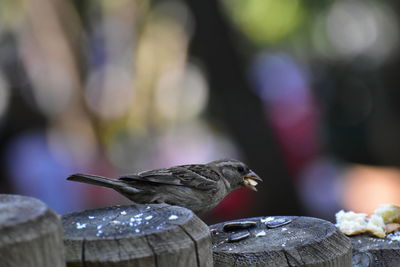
[302, 242]
[30, 233]
[374, 252]
[137, 235]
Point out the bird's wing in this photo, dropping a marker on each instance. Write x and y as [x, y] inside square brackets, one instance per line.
[193, 176]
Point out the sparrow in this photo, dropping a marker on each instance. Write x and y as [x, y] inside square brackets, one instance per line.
[198, 187]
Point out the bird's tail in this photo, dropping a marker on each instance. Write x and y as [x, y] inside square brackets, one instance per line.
[95, 180]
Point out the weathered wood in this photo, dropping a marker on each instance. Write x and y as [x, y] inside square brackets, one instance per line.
[373, 252]
[303, 242]
[137, 235]
[30, 233]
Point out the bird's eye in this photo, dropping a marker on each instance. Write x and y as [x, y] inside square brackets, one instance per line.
[240, 169]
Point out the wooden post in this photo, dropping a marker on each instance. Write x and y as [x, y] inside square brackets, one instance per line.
[30, 233]
[374, 252]
[137, 235]
[303, 242]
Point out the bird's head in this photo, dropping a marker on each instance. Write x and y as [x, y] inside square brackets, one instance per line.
[237, 173]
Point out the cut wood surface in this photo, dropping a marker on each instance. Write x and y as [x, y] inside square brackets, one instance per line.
[303, 242]
[137, 235]
[30, 233]
[375, 252]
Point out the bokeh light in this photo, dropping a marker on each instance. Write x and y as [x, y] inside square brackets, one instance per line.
[266, 21]
[357, 29]
[306, 92]
[4, 95]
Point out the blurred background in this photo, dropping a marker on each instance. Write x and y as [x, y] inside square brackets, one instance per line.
[306, 92]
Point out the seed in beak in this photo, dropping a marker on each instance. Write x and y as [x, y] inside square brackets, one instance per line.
[252, 182]
[252, 175]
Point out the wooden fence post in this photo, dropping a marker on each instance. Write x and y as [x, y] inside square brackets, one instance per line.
[371, 251]
[304, 241]
[30, 233]
[137, 235]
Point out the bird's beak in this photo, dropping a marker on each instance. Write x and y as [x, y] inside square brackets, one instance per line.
[251, 180]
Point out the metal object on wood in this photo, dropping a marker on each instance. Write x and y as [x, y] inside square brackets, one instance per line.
[303, 242]
[30, 233]
[137, 235]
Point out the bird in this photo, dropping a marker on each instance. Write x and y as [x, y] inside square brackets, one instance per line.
[198, 187]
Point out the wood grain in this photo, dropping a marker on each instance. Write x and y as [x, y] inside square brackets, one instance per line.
[375, 252]
[30, 233]
[304, 242]
[137, 235]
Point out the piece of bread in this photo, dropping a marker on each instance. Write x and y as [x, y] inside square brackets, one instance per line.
[351, 223]
[376, 226]
[385, 219]
[392, 227]
[390, 213]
